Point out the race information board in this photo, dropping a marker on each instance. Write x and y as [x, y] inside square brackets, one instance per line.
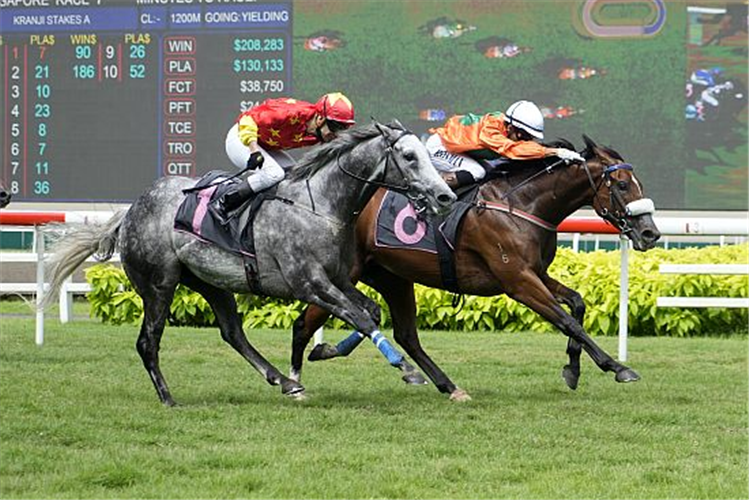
[99, 98]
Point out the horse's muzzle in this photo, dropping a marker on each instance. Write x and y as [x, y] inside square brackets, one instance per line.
[4, 198]
[644, 233]
[437, 203]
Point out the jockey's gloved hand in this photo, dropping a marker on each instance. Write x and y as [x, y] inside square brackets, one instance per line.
[569, 155]
[255, 160]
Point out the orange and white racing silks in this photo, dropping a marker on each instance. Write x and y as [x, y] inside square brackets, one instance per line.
[464, 133]
[277, 124]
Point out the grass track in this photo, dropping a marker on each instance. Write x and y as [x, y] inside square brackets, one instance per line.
[80, 419]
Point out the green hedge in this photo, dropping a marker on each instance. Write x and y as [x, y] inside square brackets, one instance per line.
[595, 275]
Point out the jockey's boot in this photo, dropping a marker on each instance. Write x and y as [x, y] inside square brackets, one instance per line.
[230, 201]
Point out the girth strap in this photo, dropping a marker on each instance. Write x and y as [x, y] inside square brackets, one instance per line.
[446, 258]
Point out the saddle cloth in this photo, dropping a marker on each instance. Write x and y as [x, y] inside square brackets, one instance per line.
[398, 226]
[194, 217]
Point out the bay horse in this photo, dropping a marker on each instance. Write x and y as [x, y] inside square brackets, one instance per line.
[502, 249]
[5, 195]
[303, 239]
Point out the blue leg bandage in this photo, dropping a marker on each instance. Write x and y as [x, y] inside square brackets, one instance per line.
[347, 345]
[386, 348]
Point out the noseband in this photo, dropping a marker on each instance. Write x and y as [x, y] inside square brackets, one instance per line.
[389, 154]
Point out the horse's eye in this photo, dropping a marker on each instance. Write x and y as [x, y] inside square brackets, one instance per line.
[409, 156]
[622, 185]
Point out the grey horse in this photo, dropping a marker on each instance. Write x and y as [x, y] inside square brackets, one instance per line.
[304, 242]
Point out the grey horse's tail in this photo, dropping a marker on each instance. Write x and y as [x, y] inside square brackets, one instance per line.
[77, 244]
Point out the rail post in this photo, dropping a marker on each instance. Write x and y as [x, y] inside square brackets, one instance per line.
[39, 241]
[623, 297]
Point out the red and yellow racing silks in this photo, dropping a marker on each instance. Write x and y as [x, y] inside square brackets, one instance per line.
[463, 133]
[277, 124]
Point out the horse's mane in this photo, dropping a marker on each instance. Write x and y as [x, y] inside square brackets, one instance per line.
[606, 149]
[320, 156]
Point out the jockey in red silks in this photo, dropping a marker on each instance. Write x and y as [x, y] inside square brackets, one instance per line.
[261, 134]
[456, 146]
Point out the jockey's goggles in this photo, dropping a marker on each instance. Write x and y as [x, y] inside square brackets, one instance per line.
[335, 126]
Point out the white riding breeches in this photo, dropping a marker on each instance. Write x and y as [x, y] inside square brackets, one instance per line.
[444, 161]
[275, 163]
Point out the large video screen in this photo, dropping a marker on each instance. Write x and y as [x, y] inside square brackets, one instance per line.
[101, 97]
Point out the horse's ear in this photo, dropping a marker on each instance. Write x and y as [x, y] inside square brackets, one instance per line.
[590, 147]
[589, 144]
[397, 124]
[379, 126]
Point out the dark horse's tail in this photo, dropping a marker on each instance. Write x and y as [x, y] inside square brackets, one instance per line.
[77, 244]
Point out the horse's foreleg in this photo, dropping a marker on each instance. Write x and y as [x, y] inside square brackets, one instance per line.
[568, 296]
[532, 292]
[305, 326]
[399, 295]
[225, 308]
[349, 344]
[347, 303]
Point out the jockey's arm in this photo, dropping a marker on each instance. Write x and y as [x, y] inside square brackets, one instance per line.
[248, 132]
[493, 137]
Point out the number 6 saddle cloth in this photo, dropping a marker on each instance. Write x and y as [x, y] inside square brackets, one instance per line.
[399, 226]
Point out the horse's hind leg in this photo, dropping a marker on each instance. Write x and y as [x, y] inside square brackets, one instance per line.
[568, 296]
[225, 308]
[305, 326]
[157, 299]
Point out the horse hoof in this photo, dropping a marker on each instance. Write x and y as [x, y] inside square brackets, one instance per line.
[460, 396]
[570, 377]
[322, 351]
[298, 396]
[627, 375]
[290, 388]
[414, 378]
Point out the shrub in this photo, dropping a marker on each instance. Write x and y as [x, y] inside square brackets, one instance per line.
[595, 275]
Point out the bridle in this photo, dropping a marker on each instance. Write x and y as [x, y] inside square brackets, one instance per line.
[620, 210]
[618, 216]
[389, 155]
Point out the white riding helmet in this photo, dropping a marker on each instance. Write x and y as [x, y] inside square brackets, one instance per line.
[527, 116]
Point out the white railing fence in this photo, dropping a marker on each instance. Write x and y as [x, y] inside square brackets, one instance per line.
[673, 226]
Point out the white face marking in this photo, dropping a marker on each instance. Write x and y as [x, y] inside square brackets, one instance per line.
[637, 183]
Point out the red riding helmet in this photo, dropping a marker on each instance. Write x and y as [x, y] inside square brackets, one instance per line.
[336, 107]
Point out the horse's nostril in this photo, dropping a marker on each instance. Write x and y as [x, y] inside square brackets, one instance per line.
[650, 235]
[445, 198]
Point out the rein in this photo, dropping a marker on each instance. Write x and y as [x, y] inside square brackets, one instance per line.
[547, 170]
[389, 154]
[501, 207]
[617, 218]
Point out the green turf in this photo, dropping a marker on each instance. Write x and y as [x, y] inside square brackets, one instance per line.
[80, 419]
